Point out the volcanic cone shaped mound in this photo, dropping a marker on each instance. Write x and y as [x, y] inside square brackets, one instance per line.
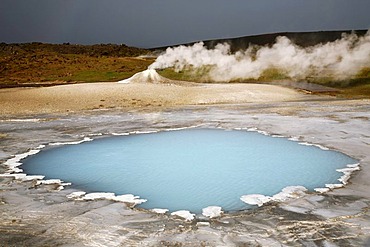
[146, 76]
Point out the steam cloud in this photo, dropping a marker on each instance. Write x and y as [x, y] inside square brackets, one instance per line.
[340, 59]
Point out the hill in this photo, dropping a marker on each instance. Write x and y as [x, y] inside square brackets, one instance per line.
[38, 64]
[303, 39]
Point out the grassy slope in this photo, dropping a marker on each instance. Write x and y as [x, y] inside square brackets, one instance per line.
[358, 86]
[23, 64]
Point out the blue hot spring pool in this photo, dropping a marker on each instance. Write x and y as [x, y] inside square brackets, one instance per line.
[190, 169]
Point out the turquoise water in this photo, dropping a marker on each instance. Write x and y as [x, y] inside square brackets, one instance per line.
[190, 169]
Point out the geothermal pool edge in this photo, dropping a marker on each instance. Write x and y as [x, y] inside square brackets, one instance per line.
[16, 168]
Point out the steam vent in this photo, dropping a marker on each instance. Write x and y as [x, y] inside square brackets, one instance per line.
[146, 76]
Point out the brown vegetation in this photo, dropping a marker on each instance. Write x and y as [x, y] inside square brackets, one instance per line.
[35, 64]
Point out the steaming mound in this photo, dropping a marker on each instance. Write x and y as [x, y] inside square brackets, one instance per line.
[146, 76]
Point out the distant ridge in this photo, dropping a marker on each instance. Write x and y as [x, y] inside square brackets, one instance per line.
[98, 50]
[303, 39]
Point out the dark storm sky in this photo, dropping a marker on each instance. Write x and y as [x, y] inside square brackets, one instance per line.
[150, 23]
